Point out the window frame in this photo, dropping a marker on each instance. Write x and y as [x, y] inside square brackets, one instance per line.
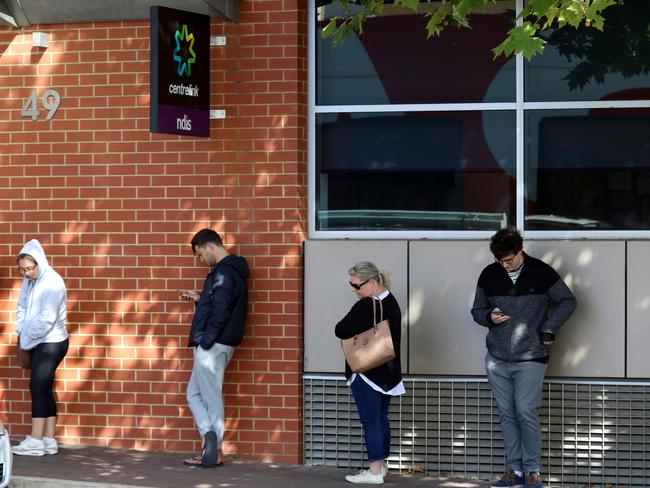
[520, 106]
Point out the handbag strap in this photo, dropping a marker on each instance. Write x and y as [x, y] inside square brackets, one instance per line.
[374, 312]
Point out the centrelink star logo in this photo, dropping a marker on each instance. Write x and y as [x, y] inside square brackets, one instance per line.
[184, 66]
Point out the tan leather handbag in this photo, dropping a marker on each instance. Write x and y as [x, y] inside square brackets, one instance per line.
[370, 348]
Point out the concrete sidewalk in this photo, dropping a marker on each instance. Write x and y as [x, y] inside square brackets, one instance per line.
[86, 467]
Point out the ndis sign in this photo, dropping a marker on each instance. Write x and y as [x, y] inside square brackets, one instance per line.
[180, 72]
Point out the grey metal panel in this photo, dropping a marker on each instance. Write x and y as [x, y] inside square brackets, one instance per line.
[638, 309]
[593, 434]
[328, 296]
[28, 12]
[444, 339]
[592, 342]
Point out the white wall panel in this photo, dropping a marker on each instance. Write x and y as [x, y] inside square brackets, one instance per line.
[444, 339]
[328, 296]
[592, 342]
[638, 309]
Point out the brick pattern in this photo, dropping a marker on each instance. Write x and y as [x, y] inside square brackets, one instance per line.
[115, 207]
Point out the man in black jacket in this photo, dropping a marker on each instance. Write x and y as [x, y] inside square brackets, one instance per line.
[217, 329]
[512, 301]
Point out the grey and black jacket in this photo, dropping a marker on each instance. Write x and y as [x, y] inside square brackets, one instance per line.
[527, 304]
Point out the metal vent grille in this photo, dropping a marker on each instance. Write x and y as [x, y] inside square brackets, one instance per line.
[593, 433]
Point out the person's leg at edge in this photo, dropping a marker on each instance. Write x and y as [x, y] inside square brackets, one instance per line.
[528, 397]
[385, 409]
[500, 379]
[369, 406]
[50, 427]
[385, 423]
[197, 407]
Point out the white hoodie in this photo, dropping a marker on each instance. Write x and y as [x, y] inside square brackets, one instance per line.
[41, 311]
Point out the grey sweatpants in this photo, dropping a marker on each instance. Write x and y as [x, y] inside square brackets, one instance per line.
[204, 391]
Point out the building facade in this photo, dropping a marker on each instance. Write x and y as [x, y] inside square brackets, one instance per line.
[391, 147]
[420, 149]
[115, 207]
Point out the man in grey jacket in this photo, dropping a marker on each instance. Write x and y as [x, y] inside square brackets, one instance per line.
[512, 301]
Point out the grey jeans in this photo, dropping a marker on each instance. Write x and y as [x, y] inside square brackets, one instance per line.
[517, 388]
[204, 391]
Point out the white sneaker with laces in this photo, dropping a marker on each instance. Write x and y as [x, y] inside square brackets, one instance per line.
[365, 477]
[29, 447]
[51, 446]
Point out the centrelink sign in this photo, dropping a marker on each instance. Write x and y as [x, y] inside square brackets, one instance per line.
[180, 72]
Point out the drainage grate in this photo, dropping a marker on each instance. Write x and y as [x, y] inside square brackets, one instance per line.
[593, 433]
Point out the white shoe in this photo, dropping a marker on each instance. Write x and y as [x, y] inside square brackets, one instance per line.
[365, 477]
[29, 447]
[384, 470]
[51, 446]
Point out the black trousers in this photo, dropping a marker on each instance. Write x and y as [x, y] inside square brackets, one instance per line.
[46, 357]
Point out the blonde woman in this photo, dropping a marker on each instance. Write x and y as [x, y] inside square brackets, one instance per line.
[373, 389]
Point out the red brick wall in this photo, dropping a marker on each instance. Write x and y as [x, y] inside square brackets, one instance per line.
[116, 206]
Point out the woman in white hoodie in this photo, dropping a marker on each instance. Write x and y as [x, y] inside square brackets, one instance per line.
[41, 329]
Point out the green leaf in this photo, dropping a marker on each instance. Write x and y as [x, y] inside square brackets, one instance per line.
[357, 22]
[459, 20]
[465, 7]
[435, 24]
[521, 39]
[538, 7]
[329, 29]
[411, 4]
[572, 12]
[593, 13]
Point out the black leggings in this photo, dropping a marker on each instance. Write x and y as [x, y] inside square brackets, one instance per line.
[46, 357]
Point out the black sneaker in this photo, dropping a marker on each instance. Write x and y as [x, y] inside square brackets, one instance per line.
[533, 481]
[510, 480]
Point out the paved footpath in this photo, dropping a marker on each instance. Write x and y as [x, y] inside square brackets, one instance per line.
[95, 467]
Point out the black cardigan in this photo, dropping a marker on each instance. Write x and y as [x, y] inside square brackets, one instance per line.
[359, 319]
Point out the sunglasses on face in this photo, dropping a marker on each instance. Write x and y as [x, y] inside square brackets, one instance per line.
[357, 286]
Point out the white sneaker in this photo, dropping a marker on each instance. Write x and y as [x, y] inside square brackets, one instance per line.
[51, 446]
[365, 477]
[29, 447]
[384, 470]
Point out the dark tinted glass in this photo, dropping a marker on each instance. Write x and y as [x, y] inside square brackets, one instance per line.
[393, 62]
[415, 171]
[588, 170]
[589, 64]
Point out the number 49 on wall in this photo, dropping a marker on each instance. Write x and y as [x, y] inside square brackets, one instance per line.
[50, 101]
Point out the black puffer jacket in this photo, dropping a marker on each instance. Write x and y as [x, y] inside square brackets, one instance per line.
[527, 304]
[220, 315]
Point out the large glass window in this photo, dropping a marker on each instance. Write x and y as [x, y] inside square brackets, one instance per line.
[590, 64]
[588, 169]
[422, 170]
[394, 62]
[434, 137]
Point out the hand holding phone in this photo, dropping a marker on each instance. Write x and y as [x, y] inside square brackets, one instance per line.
[187, 295]
[498, 316]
